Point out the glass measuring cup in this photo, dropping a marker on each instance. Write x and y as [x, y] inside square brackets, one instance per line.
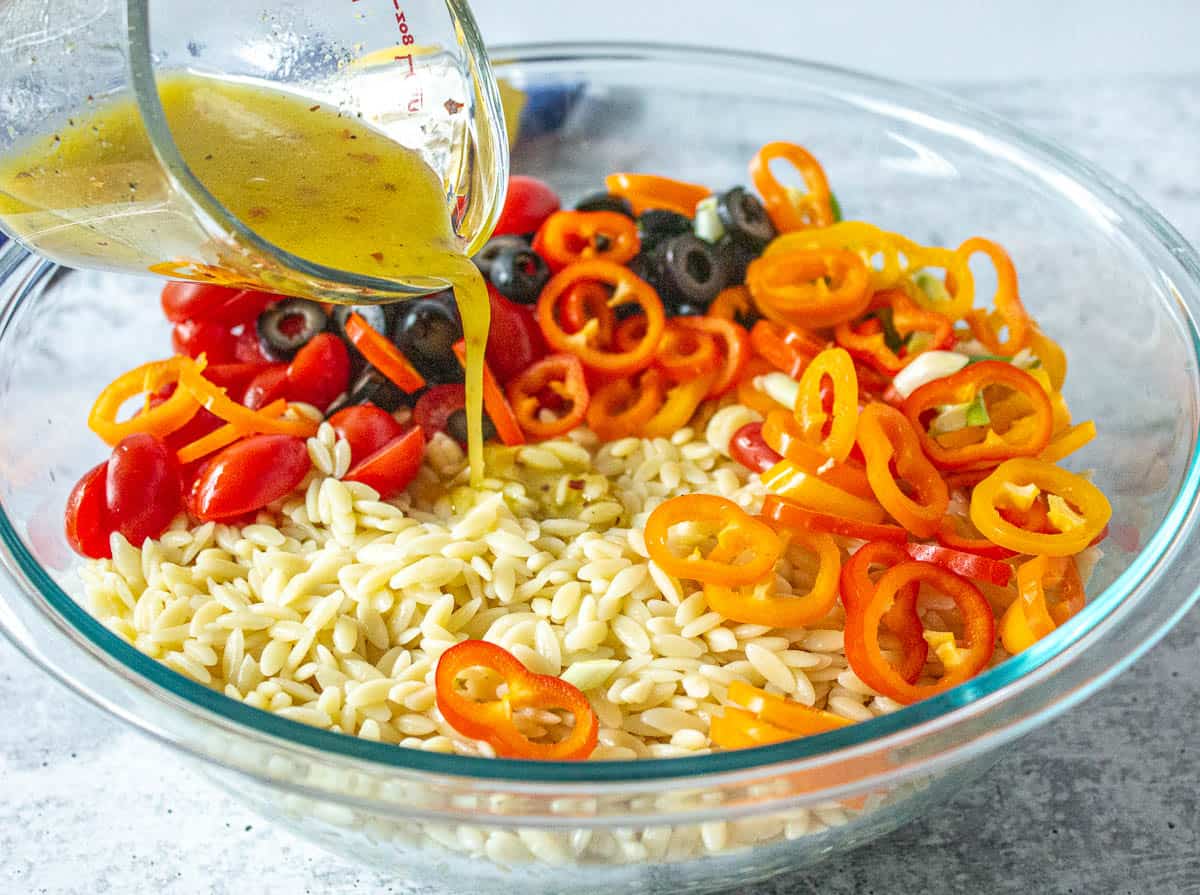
[413, 70]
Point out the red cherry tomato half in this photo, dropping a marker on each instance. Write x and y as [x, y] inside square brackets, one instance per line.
[143, 487]
[87, 521]
[269, 385]
[515, 340]
[196, 337]
[248, 475]
[319, 372]
[393, 466]
[529, 203]
[247, 349]
[219, 304]
[366, 428]
[748, 448]
[434, 407]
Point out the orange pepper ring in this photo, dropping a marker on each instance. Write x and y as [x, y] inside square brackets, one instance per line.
[628, 287]
[885, 436]
[492, 721]
[622, 407]
[167, 417]
[792, 287]
[816, 209]
[556, 237]
[737, 532]
[214, 399]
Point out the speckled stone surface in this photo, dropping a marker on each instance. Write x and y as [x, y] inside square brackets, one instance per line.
[1104, 800]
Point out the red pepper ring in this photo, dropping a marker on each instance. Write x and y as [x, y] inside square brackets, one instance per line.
[902, 619]
[559, 375]
[949, 535]
[492, 721]
[784, 513]
[734, 344]
[969, 565]
[627, 289]
[786, 348]
[568, 237]
[684, 354]
[811, 288]
[589, 301]
[962, 388]
[865, 655]
[736, 531]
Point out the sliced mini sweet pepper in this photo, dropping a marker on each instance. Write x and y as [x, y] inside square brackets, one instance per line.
[950, 534]
[585, 343]
[787, 210]
[746, 549]
[887, 338]
[792, 716]
[1029, 618]
[1050, 353]
[857, 588]
[678, 407]
[782, 433]
[554, 380]
[1009, 312]
[382, 354]
[893, 454]
[623, 407]
[224, 436]
[1068, 442]
[213, 399]
[968, 565]
[1084, 498]
[1026, 436]
[786, 348]
[738, 729]
[646, 191]
[829, 431]
[784, 513]
[589, 301]
[733, 344]
[685, 353]
[760, 604]
[813, 492]
[492, 720]
[866, 657]
[810, 288]
[567, 237]
[160, 420]
[734, 303]
[508, 427]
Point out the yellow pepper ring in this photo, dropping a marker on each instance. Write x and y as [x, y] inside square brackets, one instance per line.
[1093, 507]
[162, 420]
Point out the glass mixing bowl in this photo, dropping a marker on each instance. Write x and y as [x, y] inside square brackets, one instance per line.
[1105, 275]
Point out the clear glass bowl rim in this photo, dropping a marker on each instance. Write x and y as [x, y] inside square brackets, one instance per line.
[1030, 674]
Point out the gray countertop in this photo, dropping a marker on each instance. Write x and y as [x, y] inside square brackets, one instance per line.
[1103, 800]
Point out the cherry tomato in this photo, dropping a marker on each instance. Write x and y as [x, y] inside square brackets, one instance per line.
[319, 372]
[514, 338]
[366, 428]
[269, 385]
[529, 203]
[248, 475]
[749, 449]
[220, 304]
[434, 407]
[143, 487]
[247, 349]
[196, 337]
[88, 524]
[393, 466]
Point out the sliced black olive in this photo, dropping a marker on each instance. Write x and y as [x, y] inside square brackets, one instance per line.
[484, 257]
[606, 202]
[372, 387]
[736, 257]
[745, 219]
[693, 272]
[519, 274]
[426, 330]
[289, 325]
[456, 427]
[656, 226]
